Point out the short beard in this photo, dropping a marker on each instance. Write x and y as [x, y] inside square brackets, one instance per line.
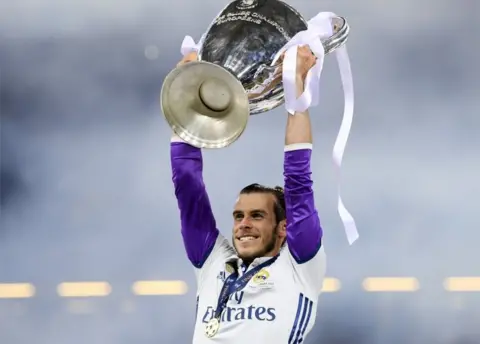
[270, 246]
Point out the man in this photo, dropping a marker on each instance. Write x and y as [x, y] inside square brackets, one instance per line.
[265, 288]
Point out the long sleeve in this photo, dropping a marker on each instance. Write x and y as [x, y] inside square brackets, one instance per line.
[304, 233]
[198, 224]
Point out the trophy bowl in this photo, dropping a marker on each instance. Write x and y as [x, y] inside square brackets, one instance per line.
[208, 103]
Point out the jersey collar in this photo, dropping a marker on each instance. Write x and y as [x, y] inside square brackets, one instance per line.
[238, 263]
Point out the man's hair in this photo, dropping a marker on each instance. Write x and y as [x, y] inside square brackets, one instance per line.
[277, 192]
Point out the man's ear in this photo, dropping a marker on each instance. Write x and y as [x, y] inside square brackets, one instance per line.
[282, 228]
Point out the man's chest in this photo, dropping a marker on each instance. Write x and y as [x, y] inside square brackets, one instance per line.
[266, 282]
[265, 297]
[271, 307]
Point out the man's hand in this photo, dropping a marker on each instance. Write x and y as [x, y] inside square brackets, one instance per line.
[298, 126]
[305, 61]
[192, 56]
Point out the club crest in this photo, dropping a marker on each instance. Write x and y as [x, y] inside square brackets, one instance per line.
[261, 276]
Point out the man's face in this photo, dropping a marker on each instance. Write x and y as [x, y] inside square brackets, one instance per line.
[255, 233]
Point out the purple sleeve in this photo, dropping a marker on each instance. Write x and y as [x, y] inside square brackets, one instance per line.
[199, 230]
[304, 233]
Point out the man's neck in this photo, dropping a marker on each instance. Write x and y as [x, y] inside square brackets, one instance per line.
[246, 262]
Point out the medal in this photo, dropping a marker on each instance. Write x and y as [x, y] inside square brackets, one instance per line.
[232, 284]
[212, 327]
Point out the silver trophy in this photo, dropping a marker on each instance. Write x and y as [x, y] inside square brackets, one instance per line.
[208, 102]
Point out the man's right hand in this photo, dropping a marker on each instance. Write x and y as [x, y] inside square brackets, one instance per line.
[192, 56]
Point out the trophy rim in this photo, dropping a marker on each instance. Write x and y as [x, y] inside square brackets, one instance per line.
[171, 111]
[293, 9]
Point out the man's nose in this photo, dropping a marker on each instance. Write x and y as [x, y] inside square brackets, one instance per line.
[245, 223]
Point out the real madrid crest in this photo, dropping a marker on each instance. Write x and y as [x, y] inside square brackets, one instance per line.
[261, 276]
[212, 327]
[246, 4]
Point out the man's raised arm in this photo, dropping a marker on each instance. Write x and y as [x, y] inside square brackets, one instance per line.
[304, 233]
[199, 229]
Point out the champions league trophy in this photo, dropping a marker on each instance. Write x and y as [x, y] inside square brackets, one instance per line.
[246, 66]
[239, 72]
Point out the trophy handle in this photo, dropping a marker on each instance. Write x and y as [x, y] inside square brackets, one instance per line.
[341, 30]
[267, 77]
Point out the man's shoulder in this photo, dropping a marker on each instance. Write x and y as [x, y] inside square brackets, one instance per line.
[310, 274]
[287, 257]
[221, 252]
[223, 248]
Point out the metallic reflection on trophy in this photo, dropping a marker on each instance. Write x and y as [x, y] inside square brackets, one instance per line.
[208, 103]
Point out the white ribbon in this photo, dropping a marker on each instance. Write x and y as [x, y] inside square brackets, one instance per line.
[342, 137]
[189, 45]
[319, 27]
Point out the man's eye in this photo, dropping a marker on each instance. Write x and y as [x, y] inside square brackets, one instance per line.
[257, 216]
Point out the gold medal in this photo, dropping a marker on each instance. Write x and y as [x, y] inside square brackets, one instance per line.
[212, 327]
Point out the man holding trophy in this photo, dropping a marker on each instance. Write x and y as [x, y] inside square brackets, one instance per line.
[263, 288]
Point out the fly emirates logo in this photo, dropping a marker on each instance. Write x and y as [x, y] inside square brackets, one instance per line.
[239, 313]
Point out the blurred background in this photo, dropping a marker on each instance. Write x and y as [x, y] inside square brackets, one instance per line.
[90, 245]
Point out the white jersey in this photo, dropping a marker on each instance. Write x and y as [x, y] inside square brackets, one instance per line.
[278, 305]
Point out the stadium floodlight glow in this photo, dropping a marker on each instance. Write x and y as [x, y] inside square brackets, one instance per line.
[390, 284]
[16, 290]
[159, 288]
[84, 289]
[462, 284]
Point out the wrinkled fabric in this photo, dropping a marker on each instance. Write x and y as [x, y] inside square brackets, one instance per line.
[304, 233]
[198, 224]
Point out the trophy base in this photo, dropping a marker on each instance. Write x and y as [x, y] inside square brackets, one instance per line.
[205, 104]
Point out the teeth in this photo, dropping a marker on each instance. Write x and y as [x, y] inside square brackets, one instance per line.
[246, 238]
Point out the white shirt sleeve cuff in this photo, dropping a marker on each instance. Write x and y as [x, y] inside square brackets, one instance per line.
[298, 146]
[176, 138]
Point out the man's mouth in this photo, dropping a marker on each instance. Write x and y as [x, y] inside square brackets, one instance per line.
[247, 238]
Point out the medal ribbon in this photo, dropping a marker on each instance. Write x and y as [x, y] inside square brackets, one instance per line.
[233, 283]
